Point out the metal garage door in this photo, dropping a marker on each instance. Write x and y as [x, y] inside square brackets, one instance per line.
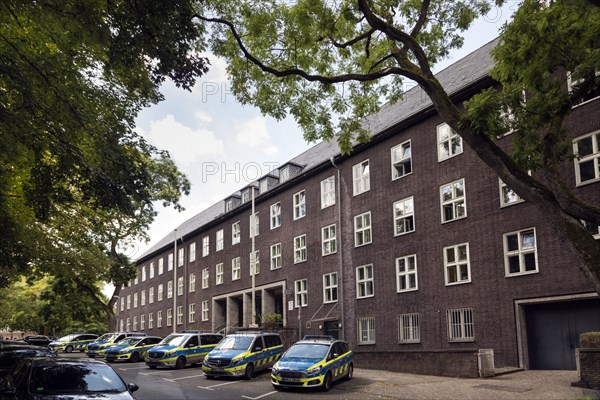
[553, 331]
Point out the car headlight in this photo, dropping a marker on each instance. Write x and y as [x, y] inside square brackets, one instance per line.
[237, 361]
[275, 368]
[314, 371]
[205, 359]
[123, 351]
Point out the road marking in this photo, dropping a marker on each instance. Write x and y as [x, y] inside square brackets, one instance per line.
[183, 377]
[132, 367]
[214, 386]
[261, 396]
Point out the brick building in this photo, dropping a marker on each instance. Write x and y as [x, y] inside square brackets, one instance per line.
[410, 248]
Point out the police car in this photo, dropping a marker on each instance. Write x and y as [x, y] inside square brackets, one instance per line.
[99, 346]
[241, 354]
[131, 349]
[180, 349]
[315, 361]
[74, 341]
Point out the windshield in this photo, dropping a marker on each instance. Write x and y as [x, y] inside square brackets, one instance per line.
[107, 337]
[129, 341]
[173, 340]
[307, 351]
[67, 338]
[235, 343]
[60, 378]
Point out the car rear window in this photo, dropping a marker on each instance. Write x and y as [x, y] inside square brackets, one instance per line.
[71, 378]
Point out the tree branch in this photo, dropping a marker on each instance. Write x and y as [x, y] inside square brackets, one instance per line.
[357, 39]
[422, 19]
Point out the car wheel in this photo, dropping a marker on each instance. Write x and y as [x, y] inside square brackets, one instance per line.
[209, 377]
[152, 366]
[326, 383]
[350, 372]
[69, 349]
[249, 371]
[82, 350]
[180, 363]
[135, 357]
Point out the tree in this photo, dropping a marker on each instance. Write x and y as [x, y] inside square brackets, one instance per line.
[330, 64]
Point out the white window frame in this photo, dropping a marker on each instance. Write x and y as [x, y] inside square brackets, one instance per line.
[129, 302]
[284, 174]
[150, 320]
[192, 252]
[170, 261]
[144, 273]
[220, 241]
[152, 270]
[205, 310]
[404, 216]
[300, 293]
[406, 268]
[159, 319]
[330, 288]
[205, 278]
[275, 211]
[135, 323]
[593, 157]
[299, 204]
[454, 267]
[219, 274]
[169, 317]
[135, 300]
[446, 136]
[205, 246]
[170, 289]
[151, 295]
[160, 292]
[456, 200]
[363, 233]
[508, 197]
[461, 326]
[180, 285]
[143, 297]
[522, 251]
[255, 262]
[254, 223]
[366, 330]
[365, 286]
[192, 313]
[236, 233]
[179, 315]
[142, 322]
[192, 283]
[409, 329]
[574, 82]
[328, 240]
[361, 177]
[161, 266]
[400, 155]
[236, 269]
[328, 192]
[276, 261]
[128, 325]
[300, 249]
[180, 257]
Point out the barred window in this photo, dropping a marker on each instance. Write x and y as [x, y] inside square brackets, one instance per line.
[460, 325]
[366, 330]
[409, 330]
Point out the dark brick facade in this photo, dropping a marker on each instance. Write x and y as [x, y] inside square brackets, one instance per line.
[489, 293]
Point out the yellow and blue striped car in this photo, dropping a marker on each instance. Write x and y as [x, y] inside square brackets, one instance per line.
[133, 348]
[242, 354]
[315, 361]
[74, 341]
[180, 349]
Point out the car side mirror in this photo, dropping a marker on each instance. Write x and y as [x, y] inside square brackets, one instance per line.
[132, 387]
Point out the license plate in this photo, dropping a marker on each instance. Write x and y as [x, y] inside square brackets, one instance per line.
[218, 369]
[291, 379]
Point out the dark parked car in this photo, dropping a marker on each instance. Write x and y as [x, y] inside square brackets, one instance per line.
[11, 354]
[64, 378]
[38, 340]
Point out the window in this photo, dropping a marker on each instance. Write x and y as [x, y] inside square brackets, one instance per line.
[328, 240]
[128, 324]
[364, 281]
[160, 292]
[192, 312]
[456, 264]
[135, 323]
[219, 274]
[508, 196]
[330, 288]
[299, 249]
[301, 294]
[144, 273]
[299, 205]
[246, 196]
[255, 262]
[121, 325]
[128, 301]
[362, 229]
[264, 186]
[205, 246]
[276, 215]
[406, 273]
[591, 227]
[159, 319]
[151, 270]
[180, 257]
[179, 315]
[205, 278]
[169, 289]
[254, 225]
[572, 85]
[150, 320]
[587, 158]
[219, 244]
[460, 325]
[520, 252]
[453, 200]
[135, 300]
[449, 142]
[192, 284]
[404, 216]
[122, 304]
[170, 262]
[135, 280]
[276, 256]
[236, 272]
[192, 251]
[284, 174]
[328, 192]
[366, 330]
[143, 298]
[236, 233]
[228, 205]
[169, 317]
[408, 328]
[361, 178]
[151, 295]
[205, 310]
[142, 322]
[180, 286]
[401, 160]
[161, 266]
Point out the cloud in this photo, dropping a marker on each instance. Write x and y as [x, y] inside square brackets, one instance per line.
[203, 117]
[185, 144]
[253, 133]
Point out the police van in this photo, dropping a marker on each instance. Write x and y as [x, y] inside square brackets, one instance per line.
[315, 361]
[74, 341]
[132, 349]
[180, 349]
[243, 353]
[99, 346]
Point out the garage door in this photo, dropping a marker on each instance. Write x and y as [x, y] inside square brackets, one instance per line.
[553, 331]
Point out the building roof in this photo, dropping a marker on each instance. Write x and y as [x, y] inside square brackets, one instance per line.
[455, 78]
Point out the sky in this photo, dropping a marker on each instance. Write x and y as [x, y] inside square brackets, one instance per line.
[221, 145]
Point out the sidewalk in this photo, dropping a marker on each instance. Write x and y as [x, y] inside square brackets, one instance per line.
[542, 385]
